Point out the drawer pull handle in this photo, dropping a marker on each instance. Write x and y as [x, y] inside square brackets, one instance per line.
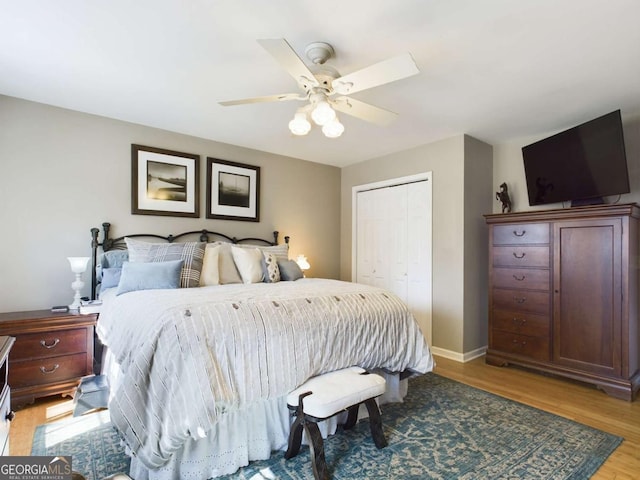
[520, 299]
[520, 321]
[56, 341]
[519, 256]
[516, 342]
[519, 234]
[45, 371]
[519, 279]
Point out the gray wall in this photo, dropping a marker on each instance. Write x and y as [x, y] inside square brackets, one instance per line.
[508, 167]
[454, 201]
[64, 172]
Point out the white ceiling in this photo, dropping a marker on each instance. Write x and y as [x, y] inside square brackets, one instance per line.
[498, 70]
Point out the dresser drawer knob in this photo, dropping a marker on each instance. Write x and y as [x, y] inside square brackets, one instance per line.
[519, 234]
[56, 341]
[51, 370]
[519, 255]
[519, 299]
[519, 279]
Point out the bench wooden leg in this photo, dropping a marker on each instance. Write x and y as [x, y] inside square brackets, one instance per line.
[295, 438]
[352, 417]
[375, 421]
[316, 448]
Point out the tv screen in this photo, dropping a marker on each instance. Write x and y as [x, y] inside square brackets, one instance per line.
[582, 164]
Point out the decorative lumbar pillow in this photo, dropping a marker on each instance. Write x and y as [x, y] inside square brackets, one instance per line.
[110, 277]
[270, 267]
[249, 263]
[289, 270]
[280, 251]
[226, 266]
[191, 253]
[149, 276]
[210, 274]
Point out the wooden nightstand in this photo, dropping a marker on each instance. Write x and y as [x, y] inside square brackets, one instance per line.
[52, 352]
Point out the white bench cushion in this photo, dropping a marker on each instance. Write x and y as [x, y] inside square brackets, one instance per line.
[337, 391]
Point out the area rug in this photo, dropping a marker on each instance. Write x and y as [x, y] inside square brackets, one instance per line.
[443, 430]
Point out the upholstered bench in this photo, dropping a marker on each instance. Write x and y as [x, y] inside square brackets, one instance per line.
[326, 395]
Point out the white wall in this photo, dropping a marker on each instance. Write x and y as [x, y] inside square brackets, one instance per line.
[64, 172]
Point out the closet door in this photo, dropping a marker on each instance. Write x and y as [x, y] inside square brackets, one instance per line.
[372, 267]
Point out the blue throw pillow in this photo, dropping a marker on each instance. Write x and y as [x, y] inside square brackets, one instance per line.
[149, 276]
[110, 277]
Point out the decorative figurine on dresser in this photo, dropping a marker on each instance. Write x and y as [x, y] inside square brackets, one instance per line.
[52, 352]
[503, 197]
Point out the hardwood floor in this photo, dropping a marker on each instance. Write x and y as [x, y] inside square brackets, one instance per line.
[577, 401]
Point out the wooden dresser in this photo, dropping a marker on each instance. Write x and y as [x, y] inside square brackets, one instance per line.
[563, 294]
[51, 353]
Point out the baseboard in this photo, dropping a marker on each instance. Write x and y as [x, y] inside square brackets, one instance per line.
[459, 357]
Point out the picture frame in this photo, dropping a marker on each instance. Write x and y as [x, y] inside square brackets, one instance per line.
[164, 182]
[233, 191]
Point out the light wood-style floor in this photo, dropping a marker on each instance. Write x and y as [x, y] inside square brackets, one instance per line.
[573, 400]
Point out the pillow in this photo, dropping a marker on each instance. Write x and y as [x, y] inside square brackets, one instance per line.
[249, 263]
[289, 270]
[149, 276]
[110, 259]
[226, 266]
[192, 254]
[210, 274]
[110, 277]
[270, 268]
[280, 251]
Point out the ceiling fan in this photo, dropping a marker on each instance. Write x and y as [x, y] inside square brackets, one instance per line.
[325, 90]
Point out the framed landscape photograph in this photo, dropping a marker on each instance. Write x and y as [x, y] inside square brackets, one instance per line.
[233, 191]
[164, 182]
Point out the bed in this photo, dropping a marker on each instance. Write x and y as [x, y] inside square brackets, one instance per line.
[199, 372]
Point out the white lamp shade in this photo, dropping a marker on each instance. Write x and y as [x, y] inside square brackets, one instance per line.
[333, 129]
[302, 262]
[78, 264]
[323, 113]
[299, 125]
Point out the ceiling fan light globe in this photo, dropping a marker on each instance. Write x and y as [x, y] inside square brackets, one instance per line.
[333, 129]
[323, 113]
[299, 125]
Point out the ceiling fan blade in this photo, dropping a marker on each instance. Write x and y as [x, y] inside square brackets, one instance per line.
[363, 111]
[389, 70]
[289, 60]
[269, 98]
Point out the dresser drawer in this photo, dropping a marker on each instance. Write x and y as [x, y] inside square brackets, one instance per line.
[521, 234]
[532, 347]
[48, 344]
[521, 301]
[522, 323]
[533, 279]
[48, 370]
[516, 256]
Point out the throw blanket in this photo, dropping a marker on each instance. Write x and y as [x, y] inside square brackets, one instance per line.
[187, 356]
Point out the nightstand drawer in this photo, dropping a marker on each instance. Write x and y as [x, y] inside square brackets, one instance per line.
[534, 279]
[521, 234]
[48, 344]
[48, 370]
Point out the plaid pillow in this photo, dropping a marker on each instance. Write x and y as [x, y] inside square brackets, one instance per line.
[192, 253]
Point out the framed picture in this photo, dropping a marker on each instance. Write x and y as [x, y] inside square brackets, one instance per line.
[164, 182]
[233, 191]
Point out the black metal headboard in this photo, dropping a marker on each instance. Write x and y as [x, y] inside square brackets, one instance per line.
[118, 243]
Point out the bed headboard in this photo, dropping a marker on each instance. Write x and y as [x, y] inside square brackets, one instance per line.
[118, 243]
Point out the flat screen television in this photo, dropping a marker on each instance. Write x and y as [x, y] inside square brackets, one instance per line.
[581, 164]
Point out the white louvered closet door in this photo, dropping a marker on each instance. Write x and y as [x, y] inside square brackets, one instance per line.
[393, 244]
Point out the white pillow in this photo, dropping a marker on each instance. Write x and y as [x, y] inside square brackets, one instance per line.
[249, 263]
[210, 274]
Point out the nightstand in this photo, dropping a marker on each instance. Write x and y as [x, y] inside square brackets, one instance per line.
[52, 352]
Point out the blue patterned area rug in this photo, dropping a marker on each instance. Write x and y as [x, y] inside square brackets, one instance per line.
[443, 430]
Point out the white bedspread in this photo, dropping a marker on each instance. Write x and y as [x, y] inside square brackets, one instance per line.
[188, 356]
